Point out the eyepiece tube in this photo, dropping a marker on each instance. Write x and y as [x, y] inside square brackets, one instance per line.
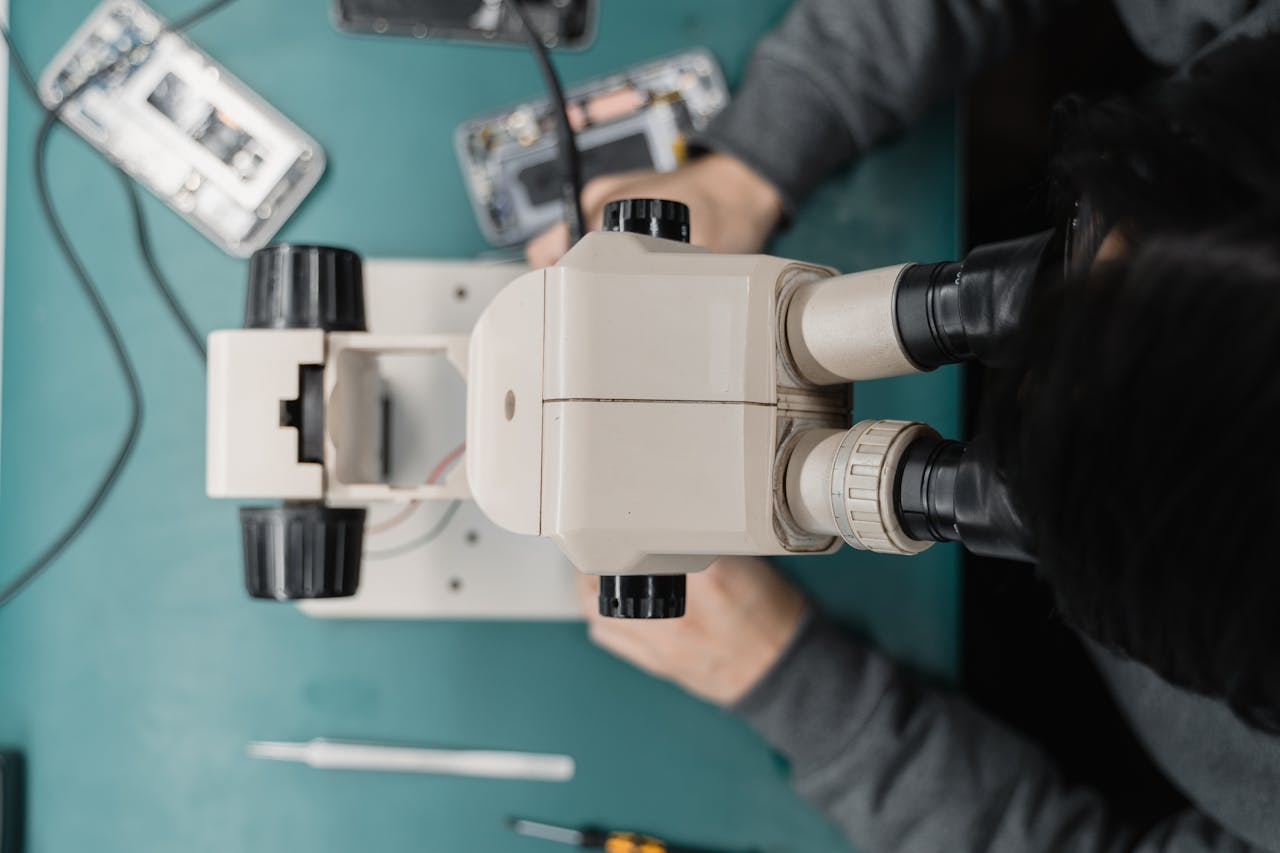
[897, 487]
[840, 483]
[913, 317]
[972, 309]
[809, 480]
[927, 315]
[949, 491]
[926, 489]
[842, 329]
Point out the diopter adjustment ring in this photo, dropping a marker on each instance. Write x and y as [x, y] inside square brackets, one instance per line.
[863, 477]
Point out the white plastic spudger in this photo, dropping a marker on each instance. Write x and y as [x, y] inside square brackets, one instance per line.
[340, 755]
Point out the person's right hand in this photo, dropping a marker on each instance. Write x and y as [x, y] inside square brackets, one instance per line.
[741, 616]
[731, 207]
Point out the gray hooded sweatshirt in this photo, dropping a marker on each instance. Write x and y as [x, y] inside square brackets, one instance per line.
[900, 766]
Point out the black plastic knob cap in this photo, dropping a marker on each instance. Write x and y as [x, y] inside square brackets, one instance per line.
[642, 596]
[656, 217]
[305, 287]
[301, 550]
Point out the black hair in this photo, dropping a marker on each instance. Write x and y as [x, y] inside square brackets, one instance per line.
[1192, 151]
[1139, 433]
[1148, 461]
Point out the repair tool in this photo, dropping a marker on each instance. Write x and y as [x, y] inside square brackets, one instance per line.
[182, 125]
[592, 838]
[491, 764]
[640, 117]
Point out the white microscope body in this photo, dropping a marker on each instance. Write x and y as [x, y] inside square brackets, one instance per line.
[645, 404]
[638, 403]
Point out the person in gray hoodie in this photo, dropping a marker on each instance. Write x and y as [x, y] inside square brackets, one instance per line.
[839, 77]
[1136, 433]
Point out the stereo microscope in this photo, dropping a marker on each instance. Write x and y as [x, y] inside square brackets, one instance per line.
[646, 404]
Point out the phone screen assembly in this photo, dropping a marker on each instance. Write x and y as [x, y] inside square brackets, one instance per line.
[636, 119]
[182, 125]
[561, 23]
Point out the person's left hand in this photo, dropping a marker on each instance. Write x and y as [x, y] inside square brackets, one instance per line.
[732, 208]
[740, 616]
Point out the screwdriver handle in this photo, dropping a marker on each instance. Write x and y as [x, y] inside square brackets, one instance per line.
[632, 842]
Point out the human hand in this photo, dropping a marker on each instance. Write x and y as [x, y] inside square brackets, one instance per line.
[731, 208]
[741, 615]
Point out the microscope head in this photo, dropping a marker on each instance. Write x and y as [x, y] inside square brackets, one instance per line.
[630, 403]
[647, 405]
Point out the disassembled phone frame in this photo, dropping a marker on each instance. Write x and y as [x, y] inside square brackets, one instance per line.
[183, 126]
[637, 118]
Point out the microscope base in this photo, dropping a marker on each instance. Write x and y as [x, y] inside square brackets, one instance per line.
[472, 569]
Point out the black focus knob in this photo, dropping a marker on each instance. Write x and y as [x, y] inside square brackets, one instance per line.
[305, 287]
[304, 550]
[642, 596]
[656, 217]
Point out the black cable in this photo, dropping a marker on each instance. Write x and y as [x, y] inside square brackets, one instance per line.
[141, 231]
[197, 15]
[162, 285]
[96, 302]
[40, 563]
[570, 160]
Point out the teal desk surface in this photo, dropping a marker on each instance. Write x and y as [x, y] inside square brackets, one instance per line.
[134, 673]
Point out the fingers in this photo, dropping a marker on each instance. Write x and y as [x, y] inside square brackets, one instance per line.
[741, 615]
[588, 589]
[621, 637]
[545, 249]
[734, 577]
[627, 643]
[600, 191]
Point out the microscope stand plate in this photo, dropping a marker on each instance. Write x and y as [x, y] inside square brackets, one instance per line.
[472, 569]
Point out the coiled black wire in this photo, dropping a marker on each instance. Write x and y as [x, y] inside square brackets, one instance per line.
[94, 297]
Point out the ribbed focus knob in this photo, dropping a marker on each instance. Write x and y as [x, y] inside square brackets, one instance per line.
[653, 216]
[864, 477]
[305, 287]
[301, 550]
[642, 596]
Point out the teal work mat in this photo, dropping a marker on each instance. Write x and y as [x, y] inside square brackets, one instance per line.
[136, 671]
